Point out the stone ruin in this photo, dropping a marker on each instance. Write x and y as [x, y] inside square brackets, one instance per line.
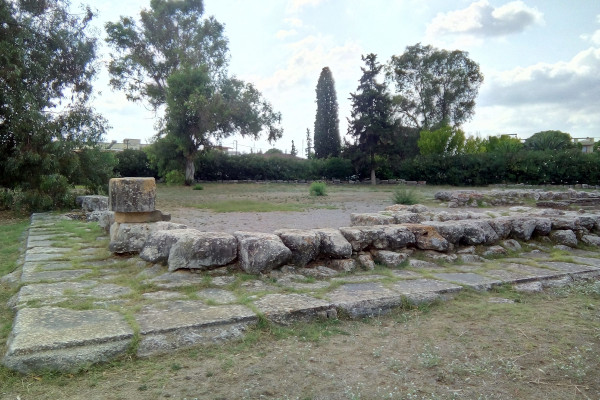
[387, 237]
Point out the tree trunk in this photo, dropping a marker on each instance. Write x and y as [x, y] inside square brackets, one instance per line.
[373, 178]
[190, 169]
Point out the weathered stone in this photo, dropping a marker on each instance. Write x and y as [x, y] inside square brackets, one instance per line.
[286, 308]
[564, 237]
[451, 231]
[413, 208]
[591, 240]
[158, 244]
[104, 218]
[141, 217]
[511, 245]
[397, 237]
[523, 228]
[475, 281]
[60, 339]
[434, 255]
[471, 258]
[319, 271]
[364, 299]
[389, 258]
[422, 264]
[559, 223]
[494, 251]
[261, 252]
[405, 217]
[218, 296]
[370, 219]
[206, 250]
[478, 232]
[334, 244]
[427, 238]
[92, 203]
[529, 287]
[363, 237]
[304, 244]
[131, 194]
[543, 226]
[130, 238]
[342, 265]
[180, 324]
[366, 262]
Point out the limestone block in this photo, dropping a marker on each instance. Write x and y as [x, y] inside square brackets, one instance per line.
[261, 252]
[511, 245]
[397, 237]
[104, 218]
[132, 194]
[427, 238]
[502, 226]
[334, 244]
[389, 258]
[304, 244]
[366, 262]
[523, 228]
[362, 237]
[202, 250]
[451, 231]
[591, 240]
[369, 219]
[478, 232]
[92, 203]
[130, 238]
[344, 265]
[158, 244]
[565, 237]
[543, 226]
[140, 217]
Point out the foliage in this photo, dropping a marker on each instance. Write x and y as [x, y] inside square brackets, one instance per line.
[174, 57]
[133, 163]
[273, 151]
[198, 187]
[434, 86]
[503, 144]
[326, 133]
[318, 189]
[46, 127]
[164, 156]
[370, 123]
[549, 140]
[309, 146]
[405, 196]
[444, 140]
[293, 151]
[174, 177]
[475, 145]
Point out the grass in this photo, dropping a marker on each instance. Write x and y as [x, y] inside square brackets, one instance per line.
[248, 206]
[405, 196]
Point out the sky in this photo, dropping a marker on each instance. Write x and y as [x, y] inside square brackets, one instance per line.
[540, 59]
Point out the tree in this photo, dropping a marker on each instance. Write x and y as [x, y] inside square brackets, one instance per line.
[503, 144]
[170, 36]
[133, 163]
[445, 140]
[293, 151]
[200, 109]
[47, 128]
[370, 123]
[174, 57]
[434, 86]
[309, 152]
[327, 133]
[549, 140]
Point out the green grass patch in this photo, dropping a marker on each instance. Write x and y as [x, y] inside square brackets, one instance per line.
[248, 206]
[405, 196]
[11, 235]
[318, 189]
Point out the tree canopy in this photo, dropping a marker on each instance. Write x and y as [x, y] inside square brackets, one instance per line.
[370, 122]
[549, 140]
[434, 87]
[327, 132]
[445, 140]
[174, 57]
[47, 130]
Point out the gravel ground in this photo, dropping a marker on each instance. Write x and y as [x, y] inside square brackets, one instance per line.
[269, 222]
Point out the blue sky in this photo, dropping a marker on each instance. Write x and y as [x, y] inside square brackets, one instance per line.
[540, 59]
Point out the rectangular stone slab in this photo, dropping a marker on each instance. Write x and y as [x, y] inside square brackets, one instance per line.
[284, 308]
[569, 267]
[365, 299]
[184, 323]
[66, 340]
[475, 281]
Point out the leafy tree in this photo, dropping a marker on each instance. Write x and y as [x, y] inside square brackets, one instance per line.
[169, 36]
[48, 61]
[445, 140]
[173, 57]
[133, 163]
[273, 151]
[475, 145]
[434, 86]
[370, 123]
[327, 133]
[293, 151]
[549, 140]
[504, 144]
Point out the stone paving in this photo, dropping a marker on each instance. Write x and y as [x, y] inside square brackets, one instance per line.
[78, 304]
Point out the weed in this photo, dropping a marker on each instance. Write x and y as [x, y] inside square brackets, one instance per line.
[429, 357]
[198, 186]
[405, 196]
[318, 189]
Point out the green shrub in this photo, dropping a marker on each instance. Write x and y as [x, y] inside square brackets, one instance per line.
[198, 187]
[405, 196]
[175, 177]
[318, 189]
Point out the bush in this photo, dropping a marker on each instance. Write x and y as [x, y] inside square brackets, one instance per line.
[198, 187]
[175, 177]
[405, 196]
[318, 189]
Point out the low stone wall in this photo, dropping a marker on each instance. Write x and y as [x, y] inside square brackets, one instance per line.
[474, 198]
[387, 237]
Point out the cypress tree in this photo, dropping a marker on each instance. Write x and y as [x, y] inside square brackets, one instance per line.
[327, 140]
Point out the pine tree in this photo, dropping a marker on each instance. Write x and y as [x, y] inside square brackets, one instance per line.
[309, 152]
[293, 151]
[326, 133]
[370, 123]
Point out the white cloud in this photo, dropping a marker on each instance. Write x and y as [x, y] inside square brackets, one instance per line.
[282, 34]
[480, 19]
[544, 96]
[294, 22]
